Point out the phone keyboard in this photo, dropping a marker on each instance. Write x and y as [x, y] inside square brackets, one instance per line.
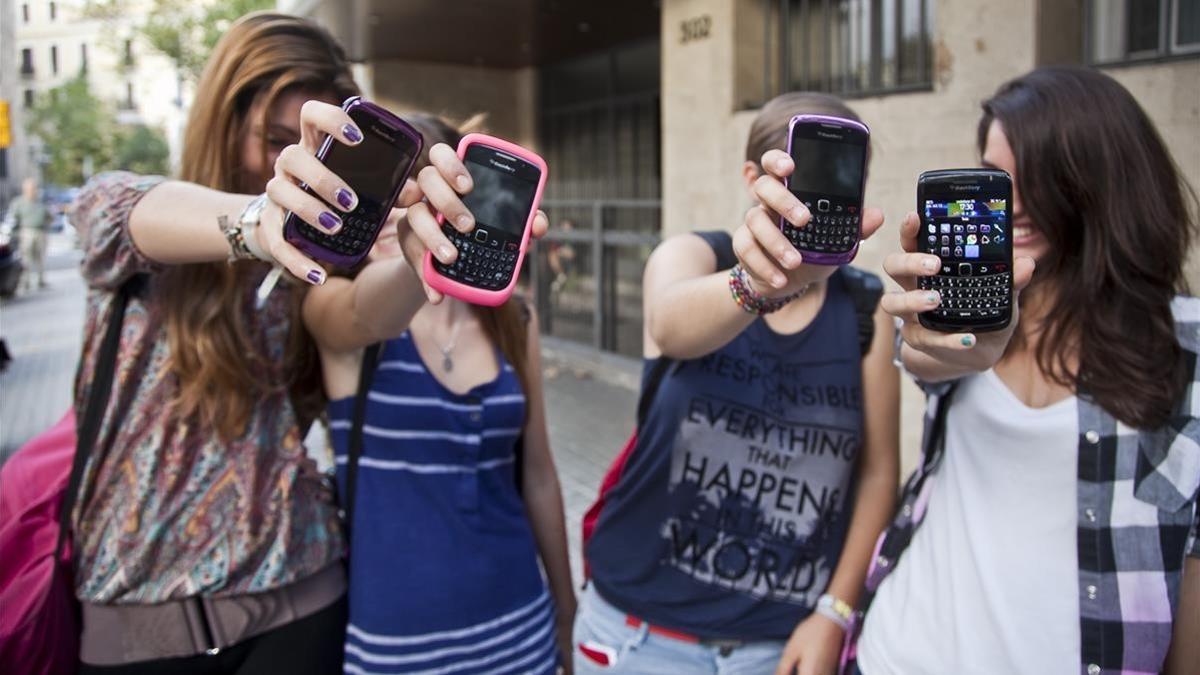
[487, 264]
[825, 232]
[356, 236]
[969, 297]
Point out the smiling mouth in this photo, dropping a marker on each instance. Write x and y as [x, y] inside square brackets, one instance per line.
[1023, 231]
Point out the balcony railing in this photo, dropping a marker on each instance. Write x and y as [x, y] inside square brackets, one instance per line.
[595, 294]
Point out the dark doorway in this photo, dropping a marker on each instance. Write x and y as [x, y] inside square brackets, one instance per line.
[599, 128]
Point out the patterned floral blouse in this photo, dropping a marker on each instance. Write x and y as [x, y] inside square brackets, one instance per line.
[176, 512]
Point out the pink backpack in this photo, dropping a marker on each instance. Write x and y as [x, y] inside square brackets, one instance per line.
[39, 631]
[39, 484]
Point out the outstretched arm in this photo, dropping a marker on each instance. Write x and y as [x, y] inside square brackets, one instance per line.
[687, 304]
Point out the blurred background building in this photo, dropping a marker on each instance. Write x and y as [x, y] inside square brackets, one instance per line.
[64, 54]
[13, 150]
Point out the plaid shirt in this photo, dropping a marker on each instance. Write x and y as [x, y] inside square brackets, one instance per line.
[1137, 515]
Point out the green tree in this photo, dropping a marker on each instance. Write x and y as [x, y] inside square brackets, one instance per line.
[141, 149]
[184, 30]
[80, 133]
[76, 129]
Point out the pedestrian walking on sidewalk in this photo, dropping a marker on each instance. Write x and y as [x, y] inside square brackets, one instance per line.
[31, 220]
[210, 543]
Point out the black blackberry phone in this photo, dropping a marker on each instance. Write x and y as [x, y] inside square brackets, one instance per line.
[966, 220]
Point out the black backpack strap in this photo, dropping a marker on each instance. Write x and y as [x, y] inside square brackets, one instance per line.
[865, 290]
[88, 428]
[935, 445]
[650, 382]
[721, 243]
[366, 374]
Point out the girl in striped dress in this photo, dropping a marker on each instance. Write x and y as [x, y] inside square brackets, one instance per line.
[448, 526]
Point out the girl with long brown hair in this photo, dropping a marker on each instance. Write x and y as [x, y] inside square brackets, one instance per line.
[209, 542]
[456, 499]
[1051, 525]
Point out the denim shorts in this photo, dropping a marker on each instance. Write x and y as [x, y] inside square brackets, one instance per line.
[604, 643]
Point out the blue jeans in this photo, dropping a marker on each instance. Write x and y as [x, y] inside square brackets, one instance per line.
[600, 627]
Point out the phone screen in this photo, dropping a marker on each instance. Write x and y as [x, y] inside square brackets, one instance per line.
[374, 167]
[832, 168]
[504, 189]
[967, 230]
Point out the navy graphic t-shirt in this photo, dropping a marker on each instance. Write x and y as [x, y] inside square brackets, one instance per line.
[730, 515]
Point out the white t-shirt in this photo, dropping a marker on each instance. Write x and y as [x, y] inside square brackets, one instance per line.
[989, 582]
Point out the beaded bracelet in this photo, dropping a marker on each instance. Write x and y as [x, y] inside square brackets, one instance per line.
[752, 301]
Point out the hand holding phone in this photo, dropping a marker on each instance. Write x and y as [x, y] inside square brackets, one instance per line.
[775, 267]
[373, 171]
[830, 155]
[966, 220]
[507, 183]
[941, 355]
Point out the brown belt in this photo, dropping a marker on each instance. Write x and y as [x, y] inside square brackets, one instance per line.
[119, 634]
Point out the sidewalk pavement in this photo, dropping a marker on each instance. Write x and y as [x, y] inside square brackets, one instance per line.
[590, 397]
[43, 332]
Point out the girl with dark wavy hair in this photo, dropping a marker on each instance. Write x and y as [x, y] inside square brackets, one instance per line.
[1051, 524]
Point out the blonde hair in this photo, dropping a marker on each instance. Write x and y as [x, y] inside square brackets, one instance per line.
[221, 372]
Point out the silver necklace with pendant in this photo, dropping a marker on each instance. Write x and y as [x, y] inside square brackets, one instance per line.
[447, 360]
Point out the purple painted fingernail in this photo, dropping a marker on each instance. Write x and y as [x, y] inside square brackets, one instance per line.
[344, 198]
[315, 276]
[329, 221]
[351, 133]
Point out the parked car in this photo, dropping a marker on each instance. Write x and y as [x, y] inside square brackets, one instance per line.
[57, 200]
[11, 265]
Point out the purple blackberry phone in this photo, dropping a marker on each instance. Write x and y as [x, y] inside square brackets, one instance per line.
[831, 160]
[966, 218]
[375, 169]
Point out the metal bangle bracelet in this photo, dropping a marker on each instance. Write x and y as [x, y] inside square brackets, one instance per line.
[233, 235]
[248, 223]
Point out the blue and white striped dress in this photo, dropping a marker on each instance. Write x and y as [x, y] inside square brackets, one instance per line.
[444, 576]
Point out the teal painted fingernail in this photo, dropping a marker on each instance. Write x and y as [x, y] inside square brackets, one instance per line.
[967, 340]
[931, 298]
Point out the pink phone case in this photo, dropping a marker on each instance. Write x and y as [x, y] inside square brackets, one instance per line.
[471, 294]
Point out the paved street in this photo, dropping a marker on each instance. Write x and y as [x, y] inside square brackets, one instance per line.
[590, 398]
[42, 329]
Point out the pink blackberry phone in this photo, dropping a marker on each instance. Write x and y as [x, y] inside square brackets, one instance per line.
[508, 188]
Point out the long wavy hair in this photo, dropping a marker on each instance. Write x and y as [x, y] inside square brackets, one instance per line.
[507, 326]
[1098, 182]
[222, 374]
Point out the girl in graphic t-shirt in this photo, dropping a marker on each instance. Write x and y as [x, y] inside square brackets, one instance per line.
[1054, 528]
[739, 533]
